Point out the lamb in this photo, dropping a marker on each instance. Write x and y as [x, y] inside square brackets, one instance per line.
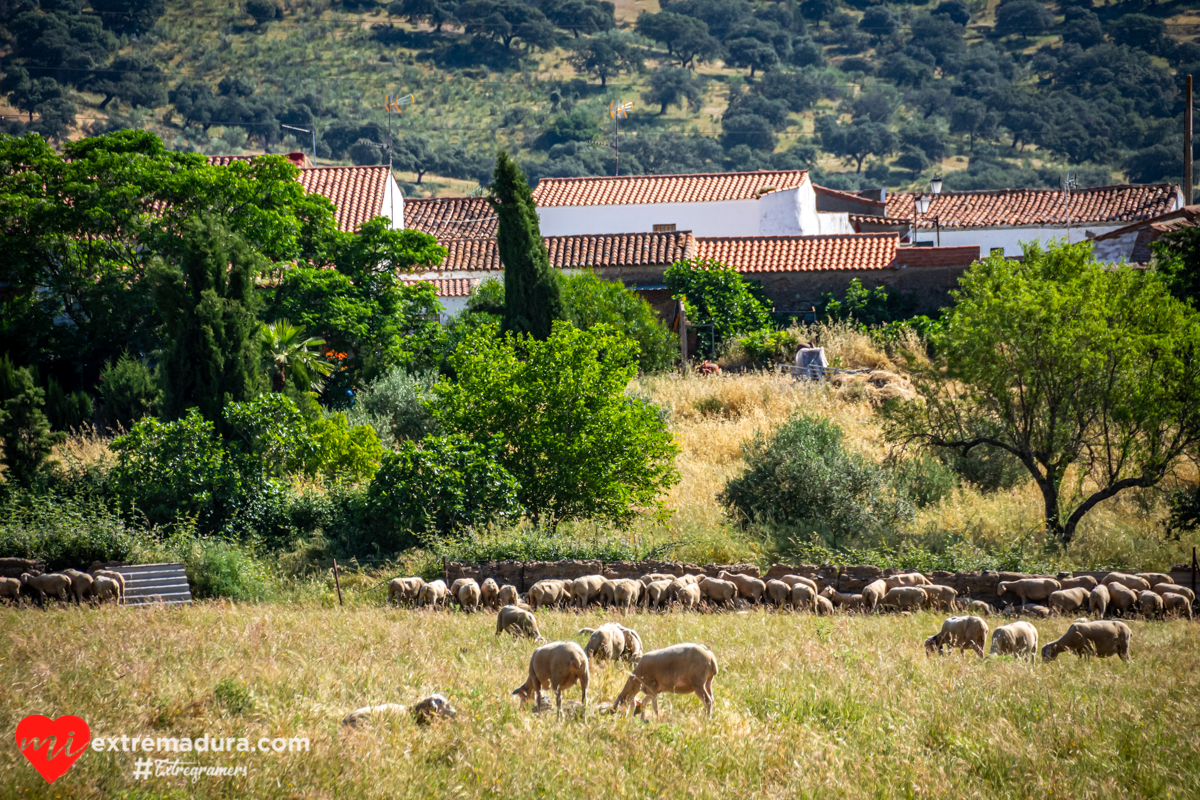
[1029, 588]
[678, 669]
[748, 586]
[1080, 582]
[104, 588]
[517, 621]
[1154, 578]
[433, 593]
[689, 596]
[980, 608]
[851, 602]
[906, 579]
[821, 605]
[469, 596]
[81, 584]
[548, 592]
[1176, 604]
[588, 588]
[404, 590]
[626, 593]
[779, 593]
[1121, 597]
[1069, 601]
[42, 585]
[960, 632]
[1086, 639]
[1163, 588]
[10, 588]
[1150, 604]
[941, 596]
[904, 598]
[559, 665]
[873, 594]
[719, 591]
[804, 597]
[1128, 581]
[657, 593]
[607, 642]
[423, 712]
[1098, 601]
[1015, 639]
[489, 592]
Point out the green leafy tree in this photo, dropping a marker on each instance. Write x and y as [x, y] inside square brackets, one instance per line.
[532, 299]
[686, 38]
[293, 359]
[135, 79]
[66, 411]
[580, 16]
[24, 429]
[715, 294]
[590, 301]
[1177, 258]
[856, 140]
[753, 53]
[129, 16]
[1094, 381]
[674, 86]
[1023, 17]
[577, 444]
[206, 299]
[129, 389]
[606, 55]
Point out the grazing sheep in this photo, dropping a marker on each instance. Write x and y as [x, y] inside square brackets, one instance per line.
[559, 665]
[1080, 582]
[779, 593]
[508, 595]
[1176, 604]
[81, 584]
[433, 593]
[1121, 598]
[104, 588]
[719, 591]
[588, 588]
[906, 579]
[423, 712]
[518, 622]
[980, 608]
[469, 596]
[748, 587]
[960, 632]
[655, 577]
[689, 596]
[1163, 588]
[822, 606]
[1015, 639]
[116, 576]
[803, 597]
[1098, 601]
[792, 580]
[851, 602]
[657, 593]
[1128, 581]
[41, 585]
[626, 593]
[873, 594]
[1029, 588]
[904, 598]
[607, 642]
[489, 593]
[633, 644]
[1069, 601]
[689, 579]
[941, 596]
[404, 590]
[678, 669]
[548, 592]
[1086, 639]
[10, 588]
[1150, 604]
[1154, 578]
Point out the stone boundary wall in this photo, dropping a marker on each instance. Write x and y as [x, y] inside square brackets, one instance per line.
[13, 567]
[969, 585]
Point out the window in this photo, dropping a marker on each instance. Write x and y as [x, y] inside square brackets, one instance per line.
[669, 228]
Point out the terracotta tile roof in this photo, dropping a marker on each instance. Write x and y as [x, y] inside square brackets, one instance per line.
[848, 196]
[1007, 207]
[801, 253]
[450, 217]
[643, 189]
[299, 159]
[602, 250]
[871, 219]
[449, 287]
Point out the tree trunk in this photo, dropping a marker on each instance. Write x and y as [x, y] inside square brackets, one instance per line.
[1054, 525]
[107, 99]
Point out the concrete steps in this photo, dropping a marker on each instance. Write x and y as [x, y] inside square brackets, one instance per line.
[147, 584]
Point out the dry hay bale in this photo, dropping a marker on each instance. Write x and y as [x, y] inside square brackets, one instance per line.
[874, 387]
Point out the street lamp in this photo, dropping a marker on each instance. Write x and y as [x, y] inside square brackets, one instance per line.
[922, 203]
[935, 185]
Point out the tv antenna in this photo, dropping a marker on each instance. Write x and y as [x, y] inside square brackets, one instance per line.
[392, 104]
[618, 111]
[1070, 183]
[311, 131]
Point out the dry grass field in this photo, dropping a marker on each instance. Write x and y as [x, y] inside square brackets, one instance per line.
[841, 707]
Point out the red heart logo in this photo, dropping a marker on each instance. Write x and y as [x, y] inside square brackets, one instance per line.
[57, 737]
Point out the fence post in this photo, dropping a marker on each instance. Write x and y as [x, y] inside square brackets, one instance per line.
[1193, 570]
[445, 571]
[337, 581]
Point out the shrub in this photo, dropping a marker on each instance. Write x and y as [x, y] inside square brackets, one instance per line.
[395, 406]
[590, 301]
[129, 390]
[924, 480]
[764, 348]
[23, 427]
[987, 468]
[802, 478]
[66, 532]
[715, 294]
[66, 411]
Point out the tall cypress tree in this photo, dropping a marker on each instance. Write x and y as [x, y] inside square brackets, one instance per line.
[207, 302]
[531, 294]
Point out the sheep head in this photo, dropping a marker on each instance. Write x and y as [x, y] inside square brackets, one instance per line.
[932, 643]
[1051, 651]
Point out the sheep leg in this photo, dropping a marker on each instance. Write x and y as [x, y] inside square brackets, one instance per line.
[654, 702]
[558, 699]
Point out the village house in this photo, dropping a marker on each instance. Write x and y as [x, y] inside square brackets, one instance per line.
[1131, 244]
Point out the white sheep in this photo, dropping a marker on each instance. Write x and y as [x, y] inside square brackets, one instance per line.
[489, 593]
[1098, 601]
[1069, 601]
[792, 580]
[873, 594]
[588, 588]
[779, 593]
[655, 577]
[906, 579]
[1150, 604]
[938, 596]
[104, 587]
[850, 602]
[1121, 597]
[658, 593]
[469, 596]
[804, 597]
[114, 575]
[678, 669]
[626, 593]
[517, 621]
[1015, 639]
[559, 665]
[748, 586]
[719, 591]
[1163, 588]
[48, 584]
[822, 605]
[1155, 578]
[81, 584]
[606, 643]
[10, 588]
[1080, 582]
[1086, 639]
[423, 712]
[980, 609]
[904, 598]
[960, 632]
[433, 594]
[1128, 581]
[1029, 588]
[688, 596]
[404, 590]
[633, 645]
[1176, 604]
[508, 595]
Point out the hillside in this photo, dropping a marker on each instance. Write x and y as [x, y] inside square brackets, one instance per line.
[1010, 94]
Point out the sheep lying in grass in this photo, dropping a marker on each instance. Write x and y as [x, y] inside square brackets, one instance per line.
[904, 598]
[1103, 638]
[1122, 599]
[559, 665]
[980, 608]
[1015, 639]
[489, 592]
[404, 590]
[1163, 588]
[679, 669]
[81, 584]
[1176, 604]
[719, 591]
[433, 594]
[50, 584]
[105, 588]
[518, 622]
[423, 712]
[1128, 581]
[1069, 601]
[1150, 604]
[10, 589]
[906, 579]
[873, 594]
[1029, 588]
[748, 586]
[1098, 601]
[849, 602]
[960, 632]
[688, 596]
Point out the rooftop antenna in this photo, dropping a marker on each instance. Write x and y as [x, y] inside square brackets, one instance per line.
[1069, 184]
[312, 131]
[618, 111]
[392, 104]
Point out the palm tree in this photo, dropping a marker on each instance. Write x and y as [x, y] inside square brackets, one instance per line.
[288, 354]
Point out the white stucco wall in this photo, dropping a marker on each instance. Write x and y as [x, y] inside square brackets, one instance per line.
[393, 203]
[1115, 250]
[452, 306]
[835, 222]
[782, 213]
[1010, 238]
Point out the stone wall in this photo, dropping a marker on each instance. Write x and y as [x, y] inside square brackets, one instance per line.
[13, 567]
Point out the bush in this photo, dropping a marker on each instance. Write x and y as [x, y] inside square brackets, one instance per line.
[715, 294]
[67, 532]
[590, 301]
[924, 480]
[803, 479]
[395, 406]
[66, 411]
[129, 390]
[764, 348]
[988, 468]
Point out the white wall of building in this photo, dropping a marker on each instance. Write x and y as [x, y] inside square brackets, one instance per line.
[835, 222]
[1117, 249]
[393, 203]
[1010, 238]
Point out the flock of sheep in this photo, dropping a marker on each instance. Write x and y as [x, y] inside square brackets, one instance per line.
[97, 586]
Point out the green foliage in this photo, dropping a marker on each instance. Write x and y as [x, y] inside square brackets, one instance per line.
[438, 485]
[488, 298]
[66, 411]
[924, 480]
[989, 469]
[802, 481]
[24, 429]
[533, 543]
[292, 359]
[606, 56]
[590, 301]
[1095, 376]
[764, 348]
[532, 299]
[395, 405]
[207, 302]
[129, 389]
[578, 446]
[715, 294]
[1185, 511]
[1177, 257]
[65, 532]
[864, 306]
[234, 696]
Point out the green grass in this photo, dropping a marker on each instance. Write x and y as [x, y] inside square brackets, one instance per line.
[844, 707]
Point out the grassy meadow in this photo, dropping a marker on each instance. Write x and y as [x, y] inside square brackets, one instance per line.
[847, 707]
